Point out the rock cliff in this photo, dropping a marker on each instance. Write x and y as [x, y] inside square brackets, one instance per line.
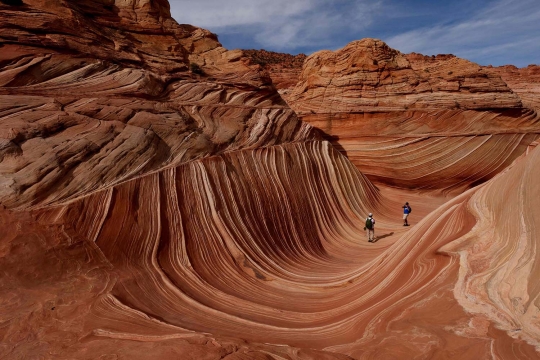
[93, 93]
[525, 82]
[412, 120]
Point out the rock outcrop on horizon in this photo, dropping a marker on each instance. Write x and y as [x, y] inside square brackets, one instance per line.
[159, 198]
[283, 69]
[369, 76]
[525, 82]
[430, 122]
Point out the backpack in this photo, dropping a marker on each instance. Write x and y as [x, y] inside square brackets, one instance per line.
[410, 209]
[369, 223]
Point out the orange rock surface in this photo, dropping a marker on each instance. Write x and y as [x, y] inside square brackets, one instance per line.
[159, 199]
[525, 82]
[414, 121]
[367, 75]
[74, 119]
[284, 69]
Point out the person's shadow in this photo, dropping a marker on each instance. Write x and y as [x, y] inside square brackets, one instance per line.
[377, 238]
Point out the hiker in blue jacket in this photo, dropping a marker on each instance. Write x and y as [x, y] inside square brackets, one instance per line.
[406, 211]
[370, 228]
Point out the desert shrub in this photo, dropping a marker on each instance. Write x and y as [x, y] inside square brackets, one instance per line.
[196, 69]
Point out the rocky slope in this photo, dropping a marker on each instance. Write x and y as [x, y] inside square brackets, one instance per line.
[159, 199]
[412, 120]
[88, 99]
[283, 69]
[525, 82]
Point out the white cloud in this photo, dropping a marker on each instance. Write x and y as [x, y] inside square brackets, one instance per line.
[220, 13]
[488, 37]
[279, 24]
[505, 31]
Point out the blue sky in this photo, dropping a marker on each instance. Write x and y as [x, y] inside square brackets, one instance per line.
[496, 32]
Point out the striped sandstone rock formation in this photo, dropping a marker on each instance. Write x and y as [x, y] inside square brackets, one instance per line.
[525, 82]
[159, 199]
[414, 121]
[85, 105]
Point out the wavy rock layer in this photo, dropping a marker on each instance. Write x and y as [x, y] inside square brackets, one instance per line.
[232, 246]
[445, 150]
[181, 227]
[413, 121]
[72, 122]
[489, 232]
[218, 245]
[498, 257]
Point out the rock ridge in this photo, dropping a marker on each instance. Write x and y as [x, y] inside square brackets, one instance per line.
[375, 103]
[95, 92]
[367, 75]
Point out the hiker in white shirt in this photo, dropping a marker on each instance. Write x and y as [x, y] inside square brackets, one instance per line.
[370, 228]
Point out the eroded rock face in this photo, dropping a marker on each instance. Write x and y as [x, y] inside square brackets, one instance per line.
[83, 106]
[368, 75]
[411, 120]
[525, 82]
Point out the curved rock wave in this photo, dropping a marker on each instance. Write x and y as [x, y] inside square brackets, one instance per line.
[444, 150]
[71, 126]
[489, 232]
[498, 257]
[164, 201]
[246, 252]
[224, 251]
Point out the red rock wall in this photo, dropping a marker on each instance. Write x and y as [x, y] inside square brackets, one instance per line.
[72, 122]
[414, 121]
[525, 82]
